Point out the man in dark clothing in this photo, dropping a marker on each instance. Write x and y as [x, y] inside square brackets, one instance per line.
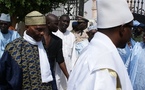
[53, 46]
[24, 64]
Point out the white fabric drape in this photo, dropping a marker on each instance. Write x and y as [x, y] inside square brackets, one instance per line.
[87, 73]
[46, 75]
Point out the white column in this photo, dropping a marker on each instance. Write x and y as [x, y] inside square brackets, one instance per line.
[94, 9]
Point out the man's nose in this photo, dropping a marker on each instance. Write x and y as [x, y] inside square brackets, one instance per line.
[42, 33]
[66, 23]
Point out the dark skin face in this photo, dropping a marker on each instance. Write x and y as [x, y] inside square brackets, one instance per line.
[91, 34]
[119, 35]
[64, 23]
[125, 34]
[52, 22]
[4, 26]
[36, 31]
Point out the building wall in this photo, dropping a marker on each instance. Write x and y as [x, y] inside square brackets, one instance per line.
[137, 6]
[88, 9]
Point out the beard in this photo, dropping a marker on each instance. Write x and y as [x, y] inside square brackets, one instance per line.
[4, 31]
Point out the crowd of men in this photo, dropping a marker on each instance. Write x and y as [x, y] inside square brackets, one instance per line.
[101, 55]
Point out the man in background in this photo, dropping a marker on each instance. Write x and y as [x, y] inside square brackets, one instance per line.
[6, 35]
[91, 31]
[80, 33]
[68, 40]
[53, 47]
[136, 60]
[81, 29]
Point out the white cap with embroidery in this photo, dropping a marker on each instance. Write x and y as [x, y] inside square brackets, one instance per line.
[93, 27]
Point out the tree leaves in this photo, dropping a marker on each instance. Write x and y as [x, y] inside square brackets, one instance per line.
[20, 8]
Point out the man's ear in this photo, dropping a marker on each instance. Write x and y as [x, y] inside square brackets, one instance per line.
[88, 33]
[48, 24]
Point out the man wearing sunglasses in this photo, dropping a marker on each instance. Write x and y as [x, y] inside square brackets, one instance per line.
[6, 35]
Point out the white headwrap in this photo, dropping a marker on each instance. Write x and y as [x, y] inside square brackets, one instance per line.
[93, 27]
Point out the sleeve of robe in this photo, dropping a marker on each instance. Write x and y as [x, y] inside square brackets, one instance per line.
[10, 73]
[98, 80]
[104, 80]
[101, 80]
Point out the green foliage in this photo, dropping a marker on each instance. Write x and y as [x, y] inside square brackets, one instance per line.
[138, 38]
[19, 8]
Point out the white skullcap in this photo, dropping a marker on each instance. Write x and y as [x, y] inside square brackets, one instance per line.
[5, 17]
[35, 18]
[136, 23]
[112, 13]
[93, 27]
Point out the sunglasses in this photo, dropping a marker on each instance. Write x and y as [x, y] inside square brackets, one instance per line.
[5, 24]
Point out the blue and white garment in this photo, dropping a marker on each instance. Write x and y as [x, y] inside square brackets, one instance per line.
[6, 38]
[125, 53]
[136, 67]
[79, 46]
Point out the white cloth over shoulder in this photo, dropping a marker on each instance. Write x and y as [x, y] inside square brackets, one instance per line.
[46, 75]
[99, 54]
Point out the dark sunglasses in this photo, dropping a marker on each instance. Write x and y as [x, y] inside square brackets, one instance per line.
[6, 24]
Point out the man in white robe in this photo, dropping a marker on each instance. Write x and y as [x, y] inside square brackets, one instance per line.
[100, 66]
[68, 44]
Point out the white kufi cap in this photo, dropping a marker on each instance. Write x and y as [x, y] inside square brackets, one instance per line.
[93, 27]
[5, 17]
[112, 13]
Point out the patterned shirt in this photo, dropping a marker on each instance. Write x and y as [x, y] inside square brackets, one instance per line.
[20, 67]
